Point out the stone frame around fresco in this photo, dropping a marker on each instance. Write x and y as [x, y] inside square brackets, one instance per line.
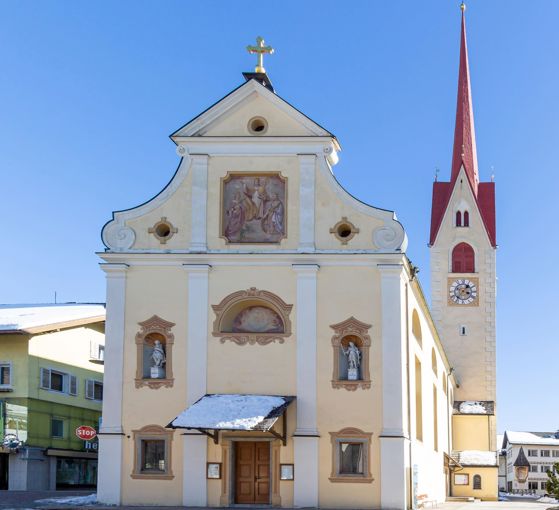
[227, 178]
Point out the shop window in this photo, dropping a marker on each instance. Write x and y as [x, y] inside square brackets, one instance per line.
[154, 353]
[350, 347]
[54, 380]
[463, 258]
[252, 317]
[57, 428]
[75, 474]
[350, 456]
[93, 390]
[416, 328]
[152, 453]
[5, 375]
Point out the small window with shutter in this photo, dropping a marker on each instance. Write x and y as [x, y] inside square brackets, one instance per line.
[93, 390]
[53, 380]
[5, 375]
[73, 390]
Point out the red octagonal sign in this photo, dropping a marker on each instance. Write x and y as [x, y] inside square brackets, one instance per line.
[86, 432]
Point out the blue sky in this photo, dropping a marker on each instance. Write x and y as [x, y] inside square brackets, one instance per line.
[90, 91]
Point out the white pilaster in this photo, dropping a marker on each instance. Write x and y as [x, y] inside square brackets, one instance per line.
[199, 202]
[394, 438]
[111, 433]
[194, 484]
[305, 489]
[306, 202]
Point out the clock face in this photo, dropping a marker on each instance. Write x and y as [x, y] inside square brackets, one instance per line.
[463, 291]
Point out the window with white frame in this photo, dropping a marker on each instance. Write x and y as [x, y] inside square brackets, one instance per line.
[532, 453]
[544, 486]
[54, 380]
[533, 486]
[545, 469]
[544, 453]
[57, 428]
[556, 453]
[96, 351]
[533, 468]
[93, 390]
[5, 375]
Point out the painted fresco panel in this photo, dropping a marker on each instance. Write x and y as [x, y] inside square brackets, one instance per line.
[253, 208]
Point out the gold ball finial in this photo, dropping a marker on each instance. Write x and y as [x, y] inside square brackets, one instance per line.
[463, 7]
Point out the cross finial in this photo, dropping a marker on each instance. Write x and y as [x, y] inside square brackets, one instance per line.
[259, 50]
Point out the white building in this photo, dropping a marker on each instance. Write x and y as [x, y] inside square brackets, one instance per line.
[539, 449]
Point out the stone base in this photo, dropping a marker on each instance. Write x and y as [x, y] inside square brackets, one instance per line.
[157, 373]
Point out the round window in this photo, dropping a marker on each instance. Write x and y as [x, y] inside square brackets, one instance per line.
[257, 125]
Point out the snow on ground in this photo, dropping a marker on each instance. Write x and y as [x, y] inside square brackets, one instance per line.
[547, 499]
[472, 407]
[233, 412]
[70, 500]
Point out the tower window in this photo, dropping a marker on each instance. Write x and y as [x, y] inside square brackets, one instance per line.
[458, 219]
[463, 259]
[463, 331]
[466, 219]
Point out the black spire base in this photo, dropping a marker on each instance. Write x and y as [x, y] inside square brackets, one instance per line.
[260, 78]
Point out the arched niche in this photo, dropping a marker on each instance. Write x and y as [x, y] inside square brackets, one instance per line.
[252, 317]
[416, 328]
[356, 332]
[154, 331]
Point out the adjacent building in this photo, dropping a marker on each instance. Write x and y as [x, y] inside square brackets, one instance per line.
[268, 341]
[528, 458]
[51, 382]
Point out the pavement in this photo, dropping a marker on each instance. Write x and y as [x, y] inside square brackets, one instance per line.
[29, 500]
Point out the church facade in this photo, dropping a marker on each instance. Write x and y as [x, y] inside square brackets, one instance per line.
[268, 342]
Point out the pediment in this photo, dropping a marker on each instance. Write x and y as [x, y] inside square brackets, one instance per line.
[230, 116]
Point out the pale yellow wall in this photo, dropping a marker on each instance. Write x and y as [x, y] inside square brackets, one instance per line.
[69, 346]
[13, 348]
[489, 480]
[471, 432]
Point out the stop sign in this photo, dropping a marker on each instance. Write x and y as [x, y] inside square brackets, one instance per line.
[86, 432]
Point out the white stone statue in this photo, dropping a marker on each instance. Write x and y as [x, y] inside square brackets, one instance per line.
[353, 361]
[158, 360]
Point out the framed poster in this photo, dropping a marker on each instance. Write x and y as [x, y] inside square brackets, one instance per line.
[287, 472]
[213, 470]
[461, 479]
[253, 208]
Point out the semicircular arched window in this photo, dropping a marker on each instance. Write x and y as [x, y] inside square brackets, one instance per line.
[252, 316]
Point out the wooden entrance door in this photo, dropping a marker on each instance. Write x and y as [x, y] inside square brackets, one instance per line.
[252, 473]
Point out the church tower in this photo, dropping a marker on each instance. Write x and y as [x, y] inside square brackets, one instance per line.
[463, 246]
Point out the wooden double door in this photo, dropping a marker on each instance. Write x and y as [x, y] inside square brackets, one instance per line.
[252, 472]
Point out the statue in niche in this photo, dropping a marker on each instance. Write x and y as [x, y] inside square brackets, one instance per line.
[158, 360]
[353, 355]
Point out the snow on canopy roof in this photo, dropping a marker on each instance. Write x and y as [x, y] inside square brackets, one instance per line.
[30, 318]
[474, 407]
[232, 412]
[475, 458]
[539, 438]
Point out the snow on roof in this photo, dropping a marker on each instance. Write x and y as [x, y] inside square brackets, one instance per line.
[30, 317]
[474, 407]
[475, 458]
[232, 412]
[539, 438]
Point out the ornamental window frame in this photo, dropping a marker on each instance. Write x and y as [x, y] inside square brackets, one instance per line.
[351, 327]
[155, 325]
[231, 305]
[351, 435]
[152, 433]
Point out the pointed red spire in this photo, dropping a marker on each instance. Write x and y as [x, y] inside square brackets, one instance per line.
[464, 152]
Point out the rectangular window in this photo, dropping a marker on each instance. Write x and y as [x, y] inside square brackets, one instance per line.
[461, 479]
[57, 428]
[351, 458]
[462, 330]
[96, 351]
[152, 456]
[544, 453]
[544, 486]
[533, 468]
[545, 469]
[556, 453]
[532, 453]
[5, 374]
[533, 486]
[93, 390]
[54, 380]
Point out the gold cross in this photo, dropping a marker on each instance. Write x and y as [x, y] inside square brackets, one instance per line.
[260, 49]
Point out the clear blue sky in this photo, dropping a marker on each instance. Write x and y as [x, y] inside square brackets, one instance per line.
[90, 91]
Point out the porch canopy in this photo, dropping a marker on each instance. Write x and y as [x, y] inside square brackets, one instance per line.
[234, 412]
